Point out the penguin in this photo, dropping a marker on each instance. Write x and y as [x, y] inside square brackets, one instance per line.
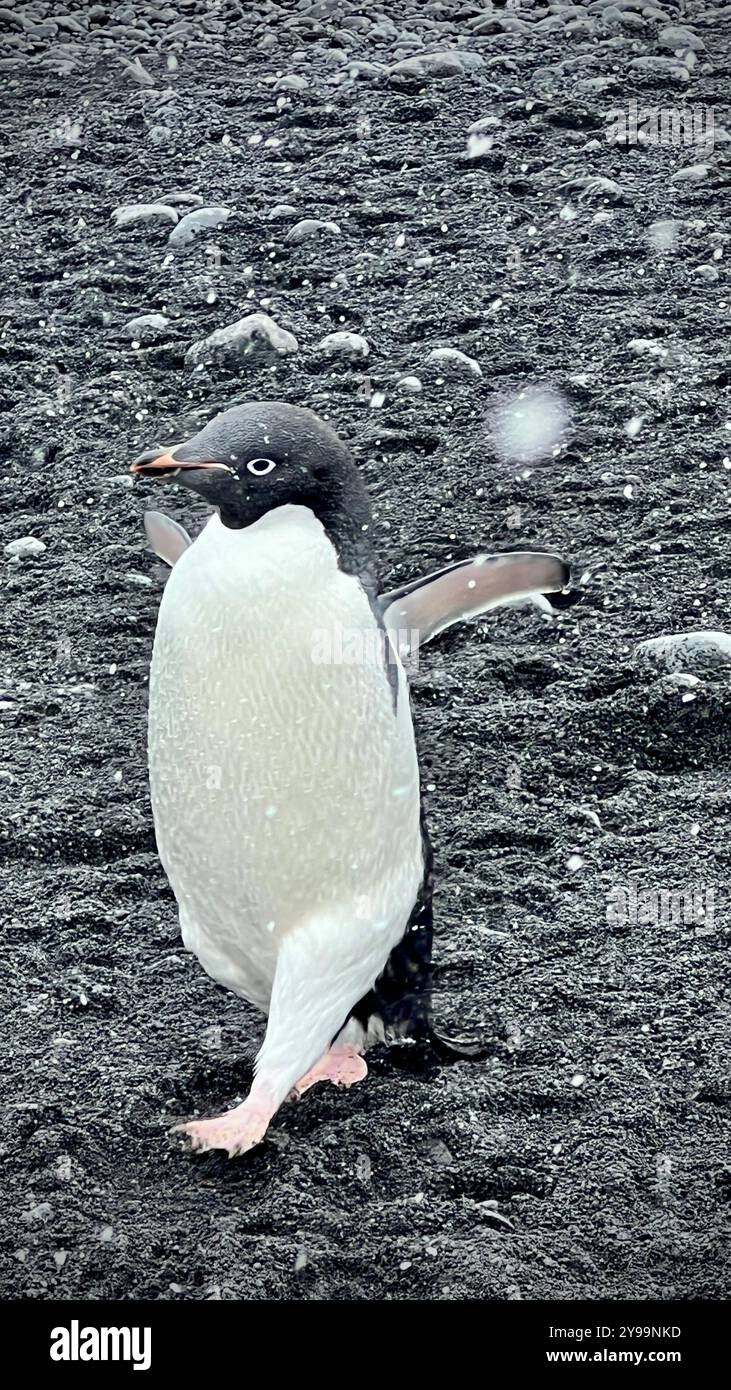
[283, 764]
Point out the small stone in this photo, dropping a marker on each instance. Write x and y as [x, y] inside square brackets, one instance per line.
[411, 384]
[309, 228]
[131, 213]
[291, 83]
[146, 326]
[679, 39]
[707, 273]
[40, 1212]
[665, 67]
[453, 361]
[359, 70]
[363, 1168]
[280, 211]
[647, 346]
[193, 223]
[450, 62]
[24, 547]
[344, 345]
[693, 173]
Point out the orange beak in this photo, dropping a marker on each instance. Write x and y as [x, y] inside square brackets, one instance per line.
[154, 465]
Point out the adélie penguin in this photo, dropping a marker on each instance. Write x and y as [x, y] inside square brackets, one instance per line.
[283, 767]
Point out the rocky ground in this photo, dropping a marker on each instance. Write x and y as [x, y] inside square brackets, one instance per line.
[587, 1155]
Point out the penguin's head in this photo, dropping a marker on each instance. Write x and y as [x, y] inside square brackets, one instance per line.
[254, 458]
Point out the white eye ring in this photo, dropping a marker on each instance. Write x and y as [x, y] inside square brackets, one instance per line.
[260, 467]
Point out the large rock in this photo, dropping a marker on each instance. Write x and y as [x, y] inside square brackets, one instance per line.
[451, 62]
[685, 651]
[257, 335]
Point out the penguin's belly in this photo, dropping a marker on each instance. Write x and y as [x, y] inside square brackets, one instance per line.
[283, 784]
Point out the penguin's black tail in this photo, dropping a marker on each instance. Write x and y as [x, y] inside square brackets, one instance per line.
[399, 1005]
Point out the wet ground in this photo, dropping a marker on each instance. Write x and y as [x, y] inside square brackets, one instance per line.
[588, 1154]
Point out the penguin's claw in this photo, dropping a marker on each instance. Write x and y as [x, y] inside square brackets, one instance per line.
[236, 1132]
[343, 1065]
[451, 1049]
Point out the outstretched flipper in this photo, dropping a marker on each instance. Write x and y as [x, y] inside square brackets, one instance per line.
[448, 596]
[167, 538]
[420, 610]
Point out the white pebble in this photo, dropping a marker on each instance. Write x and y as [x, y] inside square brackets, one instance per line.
[130, 213]
[684, 650]
[309, 228]
[343, 345]
[24, 547]
[201, 219]
[452, 360]
[410, 384]
[145, 326]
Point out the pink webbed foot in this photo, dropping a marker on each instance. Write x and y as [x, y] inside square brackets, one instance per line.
[342, 1065]
[236, 1131]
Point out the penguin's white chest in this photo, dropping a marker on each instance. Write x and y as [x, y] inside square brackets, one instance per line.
[284, 786]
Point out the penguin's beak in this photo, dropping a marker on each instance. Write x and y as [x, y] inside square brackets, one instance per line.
[153, 464]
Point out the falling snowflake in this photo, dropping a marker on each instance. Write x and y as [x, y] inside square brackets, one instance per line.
[530, 426]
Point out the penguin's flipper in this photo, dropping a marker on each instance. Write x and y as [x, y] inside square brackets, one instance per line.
[167, 538]
[419, 611]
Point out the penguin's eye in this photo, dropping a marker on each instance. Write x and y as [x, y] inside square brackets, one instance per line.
[260, 467]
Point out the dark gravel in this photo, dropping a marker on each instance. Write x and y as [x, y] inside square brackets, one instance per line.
[588, 1155]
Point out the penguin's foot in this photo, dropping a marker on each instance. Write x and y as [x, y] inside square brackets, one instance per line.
[236, 1131]
[342, 1065]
